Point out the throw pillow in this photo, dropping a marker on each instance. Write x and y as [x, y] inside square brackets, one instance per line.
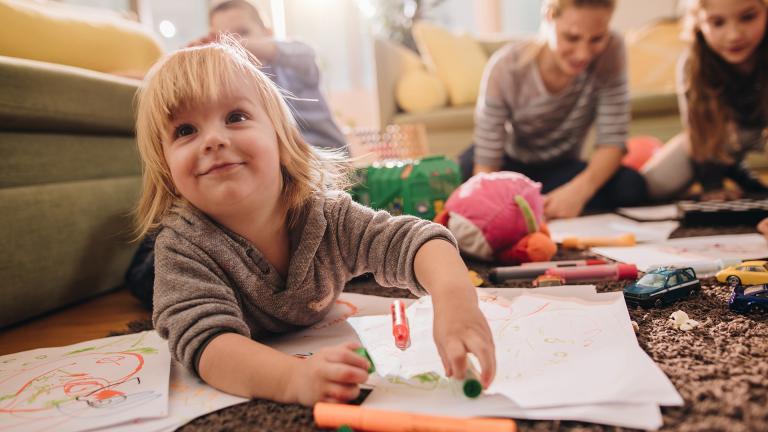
[458, 60]
[420, 91]
[76, 36]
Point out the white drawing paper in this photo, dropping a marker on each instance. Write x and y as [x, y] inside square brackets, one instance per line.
[610, 225]
[85, 386]
[689, 249]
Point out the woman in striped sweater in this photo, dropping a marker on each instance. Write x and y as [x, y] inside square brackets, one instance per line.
[539, 98]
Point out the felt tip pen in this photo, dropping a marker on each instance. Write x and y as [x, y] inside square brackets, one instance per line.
[329, 415]
[627, 239]
[595, 273]
[564, 263]
[530, 271]
[472, 387]
[400, 329]
[364, 353]
[702, 268]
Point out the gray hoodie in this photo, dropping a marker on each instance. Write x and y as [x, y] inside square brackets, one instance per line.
[209, 280]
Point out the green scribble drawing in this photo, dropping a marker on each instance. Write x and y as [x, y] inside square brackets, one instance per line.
[6, 397]
[141, 338]
[44, 389]
[426, 378]
[422, 381]
[56, 403]
[81, 350]
[145, 350]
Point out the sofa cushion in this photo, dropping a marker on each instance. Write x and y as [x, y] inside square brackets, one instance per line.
[76, 36]
[420, 91]
[41, 158]
[47, 97]
[458, 60]
[63, 242]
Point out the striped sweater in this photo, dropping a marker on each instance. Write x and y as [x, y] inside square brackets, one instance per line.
[516, 114]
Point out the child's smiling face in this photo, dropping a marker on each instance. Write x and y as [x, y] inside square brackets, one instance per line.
[733, 29]
[224, 154]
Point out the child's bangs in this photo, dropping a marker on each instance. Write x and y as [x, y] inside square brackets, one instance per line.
[195, 76]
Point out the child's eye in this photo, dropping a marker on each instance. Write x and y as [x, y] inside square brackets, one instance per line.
[716, 22]
[235, 117]
[748, 17]
[183, 131]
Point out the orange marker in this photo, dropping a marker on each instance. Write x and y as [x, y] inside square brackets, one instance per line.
[400, 325]
[588, 242]
[374, 420]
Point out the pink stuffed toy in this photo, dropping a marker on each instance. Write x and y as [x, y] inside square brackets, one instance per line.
[499, 216]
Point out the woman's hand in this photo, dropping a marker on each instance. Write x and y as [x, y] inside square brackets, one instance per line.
[721, 195]
[333, 374]
[460, 328]
[567, 201]
[763, 228]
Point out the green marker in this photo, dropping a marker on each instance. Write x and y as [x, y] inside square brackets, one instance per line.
[363, 352]
[345, 428]
[472, 386]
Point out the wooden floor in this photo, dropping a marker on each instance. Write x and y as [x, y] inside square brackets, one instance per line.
[92, 319]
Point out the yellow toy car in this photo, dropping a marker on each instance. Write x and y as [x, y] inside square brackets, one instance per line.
[746, 273]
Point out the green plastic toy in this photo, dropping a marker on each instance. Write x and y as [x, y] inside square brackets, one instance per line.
[417, 188]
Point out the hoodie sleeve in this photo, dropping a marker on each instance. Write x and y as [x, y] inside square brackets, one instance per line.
[192, 304]
[382, 244]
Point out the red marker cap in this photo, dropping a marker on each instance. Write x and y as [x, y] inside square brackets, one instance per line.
[400, 325]
[627, 271]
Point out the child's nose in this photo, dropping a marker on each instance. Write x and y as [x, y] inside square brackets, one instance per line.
[214, 141]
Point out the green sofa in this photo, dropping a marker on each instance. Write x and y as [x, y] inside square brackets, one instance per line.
[69, 178]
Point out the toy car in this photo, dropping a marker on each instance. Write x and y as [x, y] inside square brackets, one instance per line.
[546, 280]
[746, 273]
[662, 286]
[751, 299]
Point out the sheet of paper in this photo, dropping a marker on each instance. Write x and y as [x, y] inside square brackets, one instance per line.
[189, 398]
[610, 225]
[650, 213]
[334, 328]
[449, 402]
[88, 385]
[551, 351]
[682, 250]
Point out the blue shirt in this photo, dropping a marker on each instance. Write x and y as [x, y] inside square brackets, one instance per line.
[294, 70]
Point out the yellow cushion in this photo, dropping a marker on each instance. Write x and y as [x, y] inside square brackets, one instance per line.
[652, 54]
[420, 91]
[409, 60]
[76, 36]
[457, 59]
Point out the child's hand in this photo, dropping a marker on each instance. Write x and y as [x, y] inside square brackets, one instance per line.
[460, 328]
[333, 374]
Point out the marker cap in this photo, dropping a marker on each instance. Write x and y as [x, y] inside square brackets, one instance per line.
[627, 271]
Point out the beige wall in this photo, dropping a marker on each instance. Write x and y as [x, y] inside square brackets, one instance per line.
[632, 14]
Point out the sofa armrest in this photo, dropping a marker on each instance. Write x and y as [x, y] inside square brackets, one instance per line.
[388, 71]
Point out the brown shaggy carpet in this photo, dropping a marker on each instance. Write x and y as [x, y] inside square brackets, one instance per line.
[719, 368]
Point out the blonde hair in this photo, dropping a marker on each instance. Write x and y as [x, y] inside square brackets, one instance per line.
[556, 7]
[194, 76]
[711, 128]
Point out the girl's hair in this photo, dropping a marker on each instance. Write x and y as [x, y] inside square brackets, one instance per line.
[556, 7]
[195, 76]
[710, 120]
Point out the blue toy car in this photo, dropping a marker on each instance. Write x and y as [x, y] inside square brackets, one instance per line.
[749, 299]
[663, 286]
